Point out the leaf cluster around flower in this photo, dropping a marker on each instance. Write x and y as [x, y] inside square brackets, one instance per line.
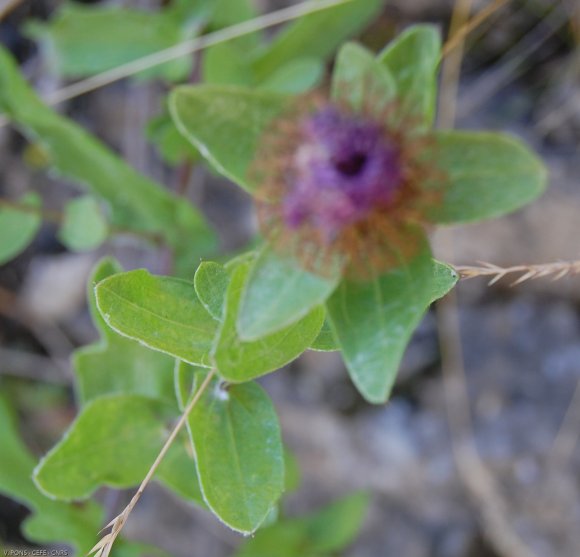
[347, 185]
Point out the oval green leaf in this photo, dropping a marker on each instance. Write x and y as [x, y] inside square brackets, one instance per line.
[211, 281]
[116, 364]
[413, 59]
[296, 76]
[225, 123]
[113, 441]
[240, 361]
[488, 174]
[373, 322]
[50, 521]
[240, 458]
[163, 313]
[86, 40]
[445, 277]
[278, 293]
[316, 35]
[360, 79]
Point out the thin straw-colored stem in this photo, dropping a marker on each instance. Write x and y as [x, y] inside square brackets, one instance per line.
[460, 35]
[187, 47]
[478, 481]
[104, 546]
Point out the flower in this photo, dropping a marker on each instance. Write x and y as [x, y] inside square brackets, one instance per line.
[343, 186]
[344, 168]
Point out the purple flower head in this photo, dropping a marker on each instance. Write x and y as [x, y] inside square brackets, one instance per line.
[341, 185]
[345, 168]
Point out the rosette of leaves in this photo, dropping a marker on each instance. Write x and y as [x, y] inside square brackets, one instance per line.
[332, 166]
[259, 311]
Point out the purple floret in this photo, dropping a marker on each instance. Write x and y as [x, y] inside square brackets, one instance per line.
[344, 168]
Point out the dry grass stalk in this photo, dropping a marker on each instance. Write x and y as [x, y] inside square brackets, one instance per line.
[478, 481]
[224, 35]
[556, 270]
[186, 48]
[470, 25]
[105, 545]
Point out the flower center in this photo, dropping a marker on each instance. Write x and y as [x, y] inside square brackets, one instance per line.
[345, 167]
[352, 165]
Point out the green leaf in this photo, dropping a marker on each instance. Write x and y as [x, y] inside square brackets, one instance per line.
[163, 313]
[278, 293]
[359, 79]
[325, 341]
[18, 227]
[171, 145]
[316, 35]
[120, 365]
[87, 40]
[177, 471]
[225, 123]
[445, 277]
[373, 322]
[185, 377]
[189, 13]
[51, 521]
[239, 361]
[232, 12]
[84, 227]
[294, 77]
[488, 174]
[240, 460]
[113, 441]
[413, 59]
[322, 533]
[116, 364]
[184, 381]
[211, 281]
[226, 64]
[137, 203]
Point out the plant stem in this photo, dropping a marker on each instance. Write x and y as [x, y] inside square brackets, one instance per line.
[103, 548]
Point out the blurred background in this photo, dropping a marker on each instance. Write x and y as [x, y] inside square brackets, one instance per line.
[474, 462]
